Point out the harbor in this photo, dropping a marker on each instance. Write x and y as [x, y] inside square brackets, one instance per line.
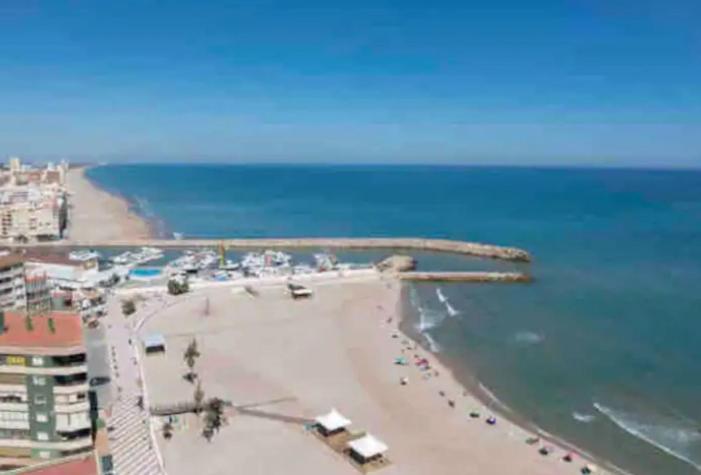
[475, 249]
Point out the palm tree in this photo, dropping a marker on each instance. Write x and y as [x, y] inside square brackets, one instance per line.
[167, 430]
[198, 396]
[190, 357]
[214, 417]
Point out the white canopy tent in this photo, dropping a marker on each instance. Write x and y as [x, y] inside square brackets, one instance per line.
[332, 422]
[368, 447]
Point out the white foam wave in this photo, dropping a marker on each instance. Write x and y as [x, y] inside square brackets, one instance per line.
[582, 417]
[492, 397]
[439, 294]
[528, 338]
[444, 300]
[429, 319]
[432, 344]
[677, 438]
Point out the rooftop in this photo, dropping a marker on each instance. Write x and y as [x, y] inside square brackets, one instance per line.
[368, 446]
[67, 331]
[8, 259]
[82, 466]
[333, 420]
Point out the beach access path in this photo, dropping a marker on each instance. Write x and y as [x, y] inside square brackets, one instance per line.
[96, 215]
[287, 361]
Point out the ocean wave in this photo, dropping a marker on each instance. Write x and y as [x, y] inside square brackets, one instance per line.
[582, 417]
[439, 294]
[678, 438]
[528, 338]
[429, 319]
[143, 207]
[444, 300]
[493, 399]
[432, 344]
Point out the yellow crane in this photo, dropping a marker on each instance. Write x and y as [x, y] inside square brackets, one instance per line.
[222, 254]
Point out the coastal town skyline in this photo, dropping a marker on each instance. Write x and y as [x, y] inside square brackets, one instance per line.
[551, 83]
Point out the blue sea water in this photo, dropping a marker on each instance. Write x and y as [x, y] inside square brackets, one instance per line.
[604, 349]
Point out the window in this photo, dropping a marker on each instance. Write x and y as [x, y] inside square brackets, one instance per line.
[42, 417]
[39, 380]
[42, 436]
[39, 399]
[37, 361]
[13, 416]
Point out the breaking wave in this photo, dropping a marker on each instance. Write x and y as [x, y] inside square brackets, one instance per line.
[678, 438]
[444, 300]
[582, 417]
[528, 338]
[428, 319]
[440, 295]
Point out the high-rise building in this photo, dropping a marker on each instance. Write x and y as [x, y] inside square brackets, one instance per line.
[44, 405]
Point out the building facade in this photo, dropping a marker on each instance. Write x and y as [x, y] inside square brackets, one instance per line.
[44, 404]
[13, 294]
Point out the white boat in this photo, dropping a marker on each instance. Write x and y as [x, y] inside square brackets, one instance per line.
[84, 255]
[325, 261]
[193, 262]
[135, 258]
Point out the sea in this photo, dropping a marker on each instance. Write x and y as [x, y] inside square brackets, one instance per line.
[602, 350]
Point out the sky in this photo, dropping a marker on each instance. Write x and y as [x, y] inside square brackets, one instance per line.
[570, 82]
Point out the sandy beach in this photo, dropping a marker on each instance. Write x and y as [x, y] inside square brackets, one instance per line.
[97, 215]
[282, 362]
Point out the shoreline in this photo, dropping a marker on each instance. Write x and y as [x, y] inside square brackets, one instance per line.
[98, 214]
[489, 401]
[474, 390]
[425, 422]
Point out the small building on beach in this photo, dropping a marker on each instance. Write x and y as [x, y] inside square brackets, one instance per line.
[299, 291]
[332, 423]
[367, 449]
[154, 343]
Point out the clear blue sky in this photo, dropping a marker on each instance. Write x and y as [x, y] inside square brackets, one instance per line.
[612, 82]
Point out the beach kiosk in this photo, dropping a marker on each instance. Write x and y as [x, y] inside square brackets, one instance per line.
[332, 423]
[299, 291]
[154, 343]
[367, 449]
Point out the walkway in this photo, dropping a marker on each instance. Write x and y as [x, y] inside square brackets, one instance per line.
[131, 440]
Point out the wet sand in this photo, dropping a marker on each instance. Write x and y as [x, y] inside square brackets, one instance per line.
[96, 215]
[285, 362]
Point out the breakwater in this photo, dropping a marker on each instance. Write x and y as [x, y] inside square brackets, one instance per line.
[435, 245]
[505, 277]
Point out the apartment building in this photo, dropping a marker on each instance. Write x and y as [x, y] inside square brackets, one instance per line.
[44, 405]
[13, 292]
[33, 202]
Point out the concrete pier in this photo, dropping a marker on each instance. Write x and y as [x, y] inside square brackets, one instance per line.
[505, 277]
[416, 244]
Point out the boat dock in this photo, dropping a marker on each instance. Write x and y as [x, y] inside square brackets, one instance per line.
[415, 244]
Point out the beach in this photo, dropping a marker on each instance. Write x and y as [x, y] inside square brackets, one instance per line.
[97, 215]
[282, 362]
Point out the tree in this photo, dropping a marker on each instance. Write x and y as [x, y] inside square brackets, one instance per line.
[214, 417]
[198, 396]
[167, 430]
[177, 287]
[190, 356]
[128, 307]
